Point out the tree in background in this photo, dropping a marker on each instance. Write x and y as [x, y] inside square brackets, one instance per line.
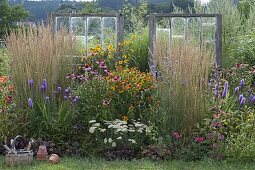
[9, 15]
[135, 14]
[91, 7]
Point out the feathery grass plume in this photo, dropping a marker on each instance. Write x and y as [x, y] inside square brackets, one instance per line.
[185, 69]
[39, 54]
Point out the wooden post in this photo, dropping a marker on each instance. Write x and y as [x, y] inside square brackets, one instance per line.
[218, 40]
[120, 31]
[152, 36]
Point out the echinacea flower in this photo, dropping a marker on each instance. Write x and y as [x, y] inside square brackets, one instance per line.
[176, 135]
[106, 102]
[87, 67]
[100, 62]
[116, 78]
[30, 103]
[102, 65]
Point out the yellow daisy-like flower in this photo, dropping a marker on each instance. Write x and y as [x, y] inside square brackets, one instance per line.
[113, 88]
[120, 62]
[121, 91]
[125, 118]
[125, 56]
[134, 36]
[125, 61]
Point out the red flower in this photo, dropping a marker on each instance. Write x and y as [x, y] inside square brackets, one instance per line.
[199, 139]
[8, 99]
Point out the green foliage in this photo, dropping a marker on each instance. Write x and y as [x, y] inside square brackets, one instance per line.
[9, 15]
[91, 7]
[135, 15]
[139, 46]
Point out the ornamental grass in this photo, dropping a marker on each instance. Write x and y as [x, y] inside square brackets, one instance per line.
[37, 53]
[185, 70]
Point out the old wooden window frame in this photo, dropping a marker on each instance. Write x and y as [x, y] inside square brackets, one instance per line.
[152, 34]
[119, 24]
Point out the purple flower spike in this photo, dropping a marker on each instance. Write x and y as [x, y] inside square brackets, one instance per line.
[59, 89]
[65, 97]
[243, 101]
[75, 101]
[242, 83]
[44, 83]
[237, 89]
[253, 99]
[77, 97]
[225, 91]
[241, 97]
[31, 83]
[30, 103]
[43, 88]
[250, 97]
[47, 99]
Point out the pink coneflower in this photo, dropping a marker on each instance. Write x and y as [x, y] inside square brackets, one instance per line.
[176, 135]
[100, 62]
[106, 102]
[102, 65]
[116, 78]
[71, 76]
[95, 72]
[87, 67]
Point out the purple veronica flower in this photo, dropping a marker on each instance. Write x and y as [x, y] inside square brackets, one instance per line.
[225, 91]
[250, 97]
[241, 97]
[75, 101]
[77, 97]
[242, 83]
[59, 89]
[30, 103]
[47, 99]
[44, 83]
[253, 99]
[243, 101]
[237, 89]
[216, 90]
[43, 88]
[31, 83]
[65, 97]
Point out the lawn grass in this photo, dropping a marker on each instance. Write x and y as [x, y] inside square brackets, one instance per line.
[98, 164]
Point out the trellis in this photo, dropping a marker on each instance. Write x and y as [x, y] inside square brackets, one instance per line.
[170, 17]
[118, 24]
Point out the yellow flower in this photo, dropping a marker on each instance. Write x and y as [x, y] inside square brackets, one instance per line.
[110, 47]
[121, 91]
[125, 61]
[120, 62]
[134, 36]
[125, 118]
[113, 88]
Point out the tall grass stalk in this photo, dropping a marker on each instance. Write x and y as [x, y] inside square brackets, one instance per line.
[39, 53]
[185, 71]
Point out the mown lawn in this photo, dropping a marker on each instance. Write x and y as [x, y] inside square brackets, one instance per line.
[98, 164]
